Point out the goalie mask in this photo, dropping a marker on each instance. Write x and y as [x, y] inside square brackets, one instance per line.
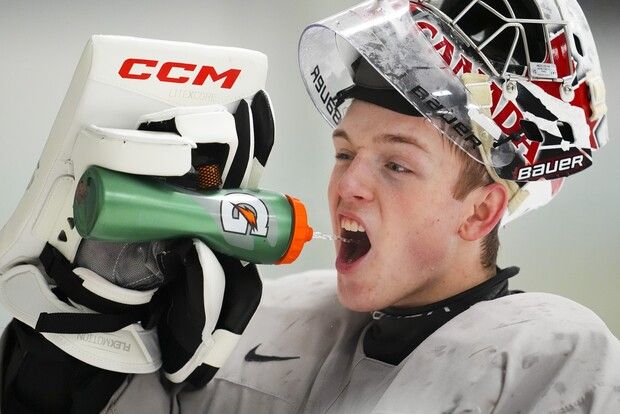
[185, 113]
[516, 84]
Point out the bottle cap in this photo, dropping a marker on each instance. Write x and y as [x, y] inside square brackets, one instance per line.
[301, 231]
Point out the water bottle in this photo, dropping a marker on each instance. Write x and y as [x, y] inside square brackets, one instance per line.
[256, 226]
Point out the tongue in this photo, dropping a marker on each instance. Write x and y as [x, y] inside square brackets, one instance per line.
[354, 245]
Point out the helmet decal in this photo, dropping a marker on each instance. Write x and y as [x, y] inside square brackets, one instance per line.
[525, 118]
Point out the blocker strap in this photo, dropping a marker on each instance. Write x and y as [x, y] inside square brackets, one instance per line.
[75, 323]
[112, 316]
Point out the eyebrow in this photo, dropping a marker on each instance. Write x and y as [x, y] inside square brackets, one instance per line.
[403, 139]
[388, 138]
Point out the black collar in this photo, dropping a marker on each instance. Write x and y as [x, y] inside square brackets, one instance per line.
[395, 332]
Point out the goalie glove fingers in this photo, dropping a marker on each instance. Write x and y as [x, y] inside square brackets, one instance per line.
[241, 299]
[237, 138]
[209, 310]
[185, 331]
[264, 135]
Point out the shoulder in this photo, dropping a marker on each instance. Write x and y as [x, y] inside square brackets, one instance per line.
[309, 295]
[298, 325]
[533, 329]
[312, 288]
[526, 313]
[298, 304]
[535, 350]
[305, 299]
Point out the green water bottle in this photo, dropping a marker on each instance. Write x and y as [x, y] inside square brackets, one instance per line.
[257, 226]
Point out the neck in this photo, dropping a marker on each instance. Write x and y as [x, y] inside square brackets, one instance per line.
[452, 282]
[395, 333]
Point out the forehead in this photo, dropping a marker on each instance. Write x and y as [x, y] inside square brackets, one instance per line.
[366, 123]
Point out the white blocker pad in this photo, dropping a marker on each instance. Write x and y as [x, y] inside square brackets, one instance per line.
[117, 80]
[26, 294]
[202, 124]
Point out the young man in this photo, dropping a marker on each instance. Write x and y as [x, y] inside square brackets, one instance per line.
[438, 137]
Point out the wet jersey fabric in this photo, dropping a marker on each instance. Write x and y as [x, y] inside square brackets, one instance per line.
[304, 353]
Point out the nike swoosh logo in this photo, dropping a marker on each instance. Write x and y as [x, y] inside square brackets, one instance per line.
[252, 356]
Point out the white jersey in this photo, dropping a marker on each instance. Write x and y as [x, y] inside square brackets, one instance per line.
[302, 352]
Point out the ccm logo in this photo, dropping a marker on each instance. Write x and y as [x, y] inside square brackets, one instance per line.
[176, 72]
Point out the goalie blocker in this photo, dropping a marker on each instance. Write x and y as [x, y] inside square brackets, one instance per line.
[94, 321]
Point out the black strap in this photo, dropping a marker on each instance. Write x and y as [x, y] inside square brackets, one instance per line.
[61, 270]
[387, 98]
[75, 323]
[370, 86]
[41, 378]
[112, 316]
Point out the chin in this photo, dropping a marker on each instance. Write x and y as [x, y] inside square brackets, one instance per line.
[357, 298]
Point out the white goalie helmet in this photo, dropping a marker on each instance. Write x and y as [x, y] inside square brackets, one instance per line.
[516, 84]
[144, 107]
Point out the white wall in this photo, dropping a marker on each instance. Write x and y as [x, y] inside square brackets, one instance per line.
[571, 247]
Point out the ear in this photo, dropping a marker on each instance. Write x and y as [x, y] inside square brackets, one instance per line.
[485, 208]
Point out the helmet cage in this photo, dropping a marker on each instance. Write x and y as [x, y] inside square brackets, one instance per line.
[520, 35]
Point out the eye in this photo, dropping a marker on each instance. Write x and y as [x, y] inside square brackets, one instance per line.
[343, 156]
[397, 168]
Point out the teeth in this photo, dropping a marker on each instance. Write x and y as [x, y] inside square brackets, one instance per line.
[351, 225]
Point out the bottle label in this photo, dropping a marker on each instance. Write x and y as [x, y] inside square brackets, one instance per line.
[244, 214]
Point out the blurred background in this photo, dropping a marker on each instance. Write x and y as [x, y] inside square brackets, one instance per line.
[571, 247]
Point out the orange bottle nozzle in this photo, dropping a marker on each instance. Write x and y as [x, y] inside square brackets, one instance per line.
[302, 232]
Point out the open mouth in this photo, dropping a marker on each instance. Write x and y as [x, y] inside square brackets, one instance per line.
[355, 243]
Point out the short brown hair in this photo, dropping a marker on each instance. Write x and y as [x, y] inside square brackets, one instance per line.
[472, 175]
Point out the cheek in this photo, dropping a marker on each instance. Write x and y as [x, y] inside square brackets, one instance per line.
[332, 187]
[429, 233]
[332, 196]
[427, 249]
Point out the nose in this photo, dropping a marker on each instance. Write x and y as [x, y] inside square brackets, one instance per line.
[356, 182]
